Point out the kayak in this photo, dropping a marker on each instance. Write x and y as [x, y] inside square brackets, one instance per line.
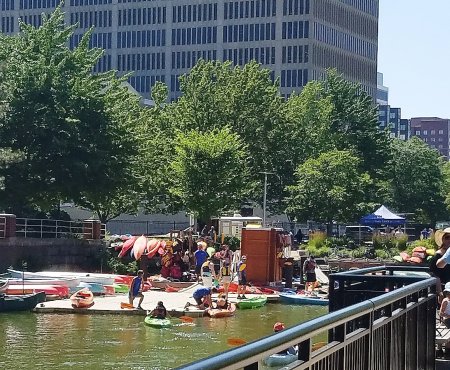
[303, 299]
[280, 360]
[222, 312]
[157, 323]
[82, 299]
[254, 302]
[121, 288]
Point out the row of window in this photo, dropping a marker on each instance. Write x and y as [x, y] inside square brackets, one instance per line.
[188, 59]
[249, 9]
[295, 7]
[142, 16]
[97, 40]
[243, 56]
[143, 84]
[249, 32]
[7, 4]
[194, 13]
[7, 24]
[342, 40]
[89, 2]
[137, 39]
[295, 30]
[103, 65]
[194, 36]
[134, 1]
[432, 132]
[295, 54]
[367, 6]
[141, 62]
[294, 77]
[34, 20]
[175, 83]
[88, 19]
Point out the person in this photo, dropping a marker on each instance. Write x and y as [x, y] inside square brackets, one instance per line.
[309, 268]
[222, 302]
[226, 255]
[212, 234]
[202, 296]
[299, 236]
[200, 257]
[424, 234]
[186, 261]
[159, 311]
[242, 277]
[225, 277]
[277, 327]
[440, 262]
[136, 287]
[204, 231]
[210, 250]
[208, 273]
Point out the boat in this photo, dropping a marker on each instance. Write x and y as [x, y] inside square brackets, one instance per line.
[20, 303]
[82, 299]
[304, 299]
[86, 277]
[68, 282]
[139, 247]
[127, 245]
[157, 323]
[50, 290]
[222, 312]
[4, 286]
[254, 302]
[121, 288]
[280, 360]
[96, 289]
[163, 283]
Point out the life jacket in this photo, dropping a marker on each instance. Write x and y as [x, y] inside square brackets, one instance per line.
[225, 271]
[206, 268]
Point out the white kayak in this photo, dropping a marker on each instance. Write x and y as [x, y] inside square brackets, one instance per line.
[86, 277]
[280, 360]
[68, 282]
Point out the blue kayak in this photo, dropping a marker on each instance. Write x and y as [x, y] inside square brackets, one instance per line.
[157, 323]
[280, 360]
[303, 299]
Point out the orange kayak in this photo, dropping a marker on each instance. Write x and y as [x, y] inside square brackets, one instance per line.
[84, 298]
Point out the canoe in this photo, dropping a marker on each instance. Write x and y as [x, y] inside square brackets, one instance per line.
[86, 277]
[139, 247]
[127, 245]
[68, 282]
[280, 360]
[20, 303]
[54, 290]
[254, 302]
[82, 299]
[157, 323]
[292, 298]
[220, 312]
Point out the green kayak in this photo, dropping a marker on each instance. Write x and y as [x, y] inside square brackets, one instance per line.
[121, 288]
[252, 302]
[157, 323]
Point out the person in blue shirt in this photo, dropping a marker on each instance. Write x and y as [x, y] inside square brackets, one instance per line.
[200, 257]
[202, 296]
[136, 287]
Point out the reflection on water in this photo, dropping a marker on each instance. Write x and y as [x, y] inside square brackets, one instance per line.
[44, 341]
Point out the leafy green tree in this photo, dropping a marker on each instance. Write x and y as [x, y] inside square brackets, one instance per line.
[210, 172]
[75, 129]
[417, 179]
[329, 188]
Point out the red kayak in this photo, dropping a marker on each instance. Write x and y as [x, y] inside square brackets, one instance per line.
[222, 312]
[127, 246]
[50, 290]
[82, 299]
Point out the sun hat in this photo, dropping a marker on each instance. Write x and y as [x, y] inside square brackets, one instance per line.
[447, 287]
[438, 235]
[278, 326]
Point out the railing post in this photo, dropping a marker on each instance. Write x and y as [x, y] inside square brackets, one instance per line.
[41, 227]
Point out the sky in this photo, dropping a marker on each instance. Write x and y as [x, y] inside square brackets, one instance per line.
[414, 56]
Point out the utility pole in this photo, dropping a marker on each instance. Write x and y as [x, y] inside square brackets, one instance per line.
[265, 195]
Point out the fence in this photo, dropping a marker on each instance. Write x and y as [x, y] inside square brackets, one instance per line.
[144, 227]
[392, 330]
[43, 228]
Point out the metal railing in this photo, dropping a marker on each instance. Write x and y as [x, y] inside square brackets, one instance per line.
[144, 227]
[44, 228]
[394, 330]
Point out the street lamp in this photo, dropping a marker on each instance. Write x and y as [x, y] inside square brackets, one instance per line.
[265, 195]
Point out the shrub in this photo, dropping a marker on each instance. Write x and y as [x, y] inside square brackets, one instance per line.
[233, 242]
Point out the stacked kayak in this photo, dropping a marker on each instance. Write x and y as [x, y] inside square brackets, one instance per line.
[254, 302]
[280, 360]
[157, 323]
[303, 299]
[222, 312]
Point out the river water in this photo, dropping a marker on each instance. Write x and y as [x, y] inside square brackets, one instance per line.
[47, 341]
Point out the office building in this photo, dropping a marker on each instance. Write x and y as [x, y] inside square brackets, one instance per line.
[391, 118]
[434, 131]
[162, 39]
[382, 91]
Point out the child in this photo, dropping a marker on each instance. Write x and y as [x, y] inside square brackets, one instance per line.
[222, 302]
[444, 311]
[160, 311]
[309, 268]
[225, 277]
[242, 277]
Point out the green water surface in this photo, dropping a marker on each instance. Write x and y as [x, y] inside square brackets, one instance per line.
[47, 341]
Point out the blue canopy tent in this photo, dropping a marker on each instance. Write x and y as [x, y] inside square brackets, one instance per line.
[382, 216]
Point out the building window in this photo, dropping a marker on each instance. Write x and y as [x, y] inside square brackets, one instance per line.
[425, 132]
[433, 132]
[417, 132]
[441, 132]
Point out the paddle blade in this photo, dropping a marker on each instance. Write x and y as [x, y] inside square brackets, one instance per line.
[236, 341]
[125, 305]
[186, 319]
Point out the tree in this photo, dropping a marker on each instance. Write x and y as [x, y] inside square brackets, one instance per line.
[417, 179]
[75, 129]
[210, 173]
[329, 188]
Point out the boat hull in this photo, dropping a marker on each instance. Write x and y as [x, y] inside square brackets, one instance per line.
[157, 323]
[251, 303]
[219, 313]
[82, 299]
[280, 360]
[303, 299]
[20, 303]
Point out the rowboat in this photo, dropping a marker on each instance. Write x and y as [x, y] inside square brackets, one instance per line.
[303, 299]
[254, 302]
[157, 323]
[82, 299]
[20, 303]
[222, 312]
[104, 279]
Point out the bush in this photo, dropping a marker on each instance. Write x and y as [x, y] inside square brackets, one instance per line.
[118, 267]
[233, 242]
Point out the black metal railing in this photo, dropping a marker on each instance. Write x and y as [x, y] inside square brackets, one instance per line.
[144, 227]
[390, 330]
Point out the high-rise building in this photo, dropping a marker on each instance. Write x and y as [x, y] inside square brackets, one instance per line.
[382, 91]
[162, 39]
[391, 118]
[434, 131]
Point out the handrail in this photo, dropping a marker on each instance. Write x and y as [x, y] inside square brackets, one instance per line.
[250, 354]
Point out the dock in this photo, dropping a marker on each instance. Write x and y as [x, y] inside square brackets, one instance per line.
[107, 305]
